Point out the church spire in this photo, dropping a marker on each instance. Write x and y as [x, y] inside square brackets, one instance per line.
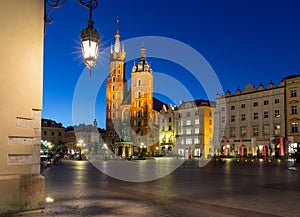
[117, 47]
[117, 51]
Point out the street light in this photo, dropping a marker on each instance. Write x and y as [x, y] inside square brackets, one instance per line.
[90, 37]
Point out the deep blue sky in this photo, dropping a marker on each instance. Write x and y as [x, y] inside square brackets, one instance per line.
[249, 41]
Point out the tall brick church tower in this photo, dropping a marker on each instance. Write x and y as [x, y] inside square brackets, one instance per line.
[116, 88]
[131, 114]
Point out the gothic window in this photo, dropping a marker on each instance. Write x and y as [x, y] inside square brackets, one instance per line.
[113, 79]
[113, 88]
[113, 96]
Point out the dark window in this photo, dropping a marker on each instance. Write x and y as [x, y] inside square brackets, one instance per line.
[266, 102]
[255, 104]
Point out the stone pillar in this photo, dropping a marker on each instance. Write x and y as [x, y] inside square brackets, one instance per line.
[21, 65]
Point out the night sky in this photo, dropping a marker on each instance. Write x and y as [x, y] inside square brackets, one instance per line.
[243, 41]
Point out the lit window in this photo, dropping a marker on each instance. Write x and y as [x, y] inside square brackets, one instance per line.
[255, 130]
[294, 127]
[196, 130]
[196, 140]
[188, 131]
[188, 141]
[188, 122]
[243, 131]
[277, 129]
[197, 122]
[276, 113]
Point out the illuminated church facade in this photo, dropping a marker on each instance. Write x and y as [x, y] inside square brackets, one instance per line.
[131, 112]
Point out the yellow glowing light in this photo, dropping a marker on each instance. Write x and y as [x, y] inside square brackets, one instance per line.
[49, 200]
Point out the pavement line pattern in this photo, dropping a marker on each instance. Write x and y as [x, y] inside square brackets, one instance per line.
[192, 204]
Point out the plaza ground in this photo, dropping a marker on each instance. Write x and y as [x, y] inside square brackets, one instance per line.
[227, 188]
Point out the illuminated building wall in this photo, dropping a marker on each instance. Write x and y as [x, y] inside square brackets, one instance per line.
[21, 62]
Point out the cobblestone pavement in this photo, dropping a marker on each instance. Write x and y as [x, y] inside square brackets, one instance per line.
[227, 188]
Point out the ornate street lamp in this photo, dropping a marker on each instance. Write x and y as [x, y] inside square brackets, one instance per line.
[90, 37]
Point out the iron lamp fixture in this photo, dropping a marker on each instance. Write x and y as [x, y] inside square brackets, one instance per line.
[90, 37]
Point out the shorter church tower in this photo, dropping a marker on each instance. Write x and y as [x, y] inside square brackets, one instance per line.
[141, 102]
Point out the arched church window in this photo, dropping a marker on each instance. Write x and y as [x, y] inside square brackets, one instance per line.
[139, 82]
[113, 88]
[113, 79]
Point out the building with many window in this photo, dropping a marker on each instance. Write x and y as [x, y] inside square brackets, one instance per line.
[292, 104]
[258, 117]
[187, 130]
[53, 132]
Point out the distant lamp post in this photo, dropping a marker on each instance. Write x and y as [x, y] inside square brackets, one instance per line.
[90, 37]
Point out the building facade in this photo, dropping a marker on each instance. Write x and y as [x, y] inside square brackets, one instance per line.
[292, 102]
[249, 121]
[187, 130]
[131, 113]
[53, 132]
[22, 187]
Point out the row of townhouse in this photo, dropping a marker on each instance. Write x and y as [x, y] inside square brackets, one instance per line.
[257, 120]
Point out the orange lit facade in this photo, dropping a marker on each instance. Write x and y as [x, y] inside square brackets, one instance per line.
[131, 114]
